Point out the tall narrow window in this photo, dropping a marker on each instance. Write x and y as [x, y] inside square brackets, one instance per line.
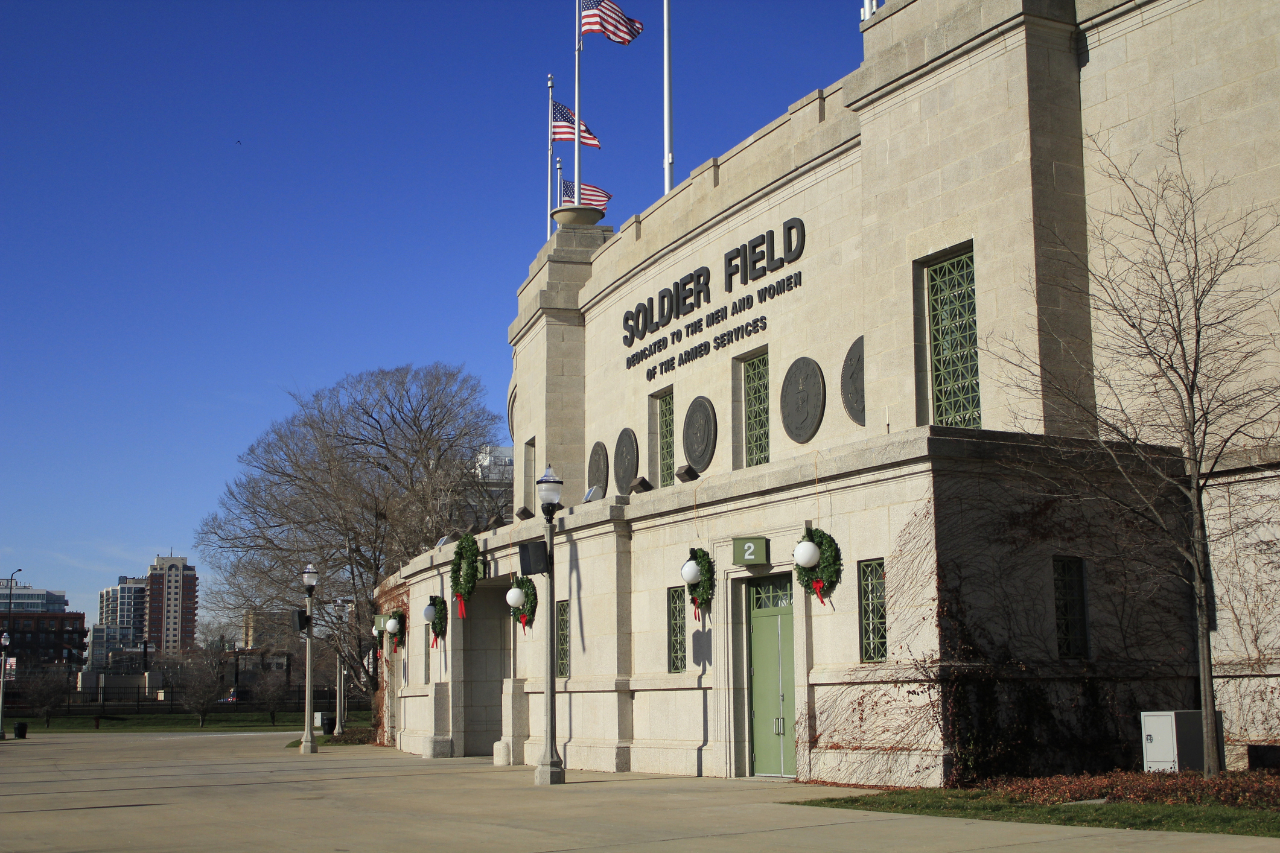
[562, 639]
[953, 342]
[666, 440]
[872, 610]
[755, 397]
[675, 629]
[1069, 607]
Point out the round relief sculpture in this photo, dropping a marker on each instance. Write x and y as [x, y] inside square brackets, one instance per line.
[626, 458]
[804, 397]
[598, 468]
[852, 387]
[699, 434]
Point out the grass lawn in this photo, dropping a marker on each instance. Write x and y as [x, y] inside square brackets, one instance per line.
[217, 721]
[985, 805]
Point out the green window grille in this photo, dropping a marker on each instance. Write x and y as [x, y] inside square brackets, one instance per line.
[562, 639]
[771, 592]
[953, 343]
[666, 440]
[875, 637]
[1069, 607]
[755, 387]
[676, 643]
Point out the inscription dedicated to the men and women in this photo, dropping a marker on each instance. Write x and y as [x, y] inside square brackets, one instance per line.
[751, 261]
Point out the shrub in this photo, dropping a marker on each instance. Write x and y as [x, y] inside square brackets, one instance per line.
[1254, 789]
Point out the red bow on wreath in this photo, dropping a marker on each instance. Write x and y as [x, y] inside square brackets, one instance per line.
[395, 645]
[462, 606]
[697, 616]
[433, 639]
[817, 589]
[524, 619]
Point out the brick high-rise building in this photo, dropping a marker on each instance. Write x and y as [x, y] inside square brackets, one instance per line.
[171, 604]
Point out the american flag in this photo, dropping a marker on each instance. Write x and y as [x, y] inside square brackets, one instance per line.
[604, 16]
[562, 127]
[593, 196]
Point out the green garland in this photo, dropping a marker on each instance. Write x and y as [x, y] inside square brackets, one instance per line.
[525, 614]
[705, 589]
[399, 637]
[440, 624]
[468, 567]
[823, 578]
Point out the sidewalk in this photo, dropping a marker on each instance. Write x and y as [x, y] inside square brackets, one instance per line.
[98, 791]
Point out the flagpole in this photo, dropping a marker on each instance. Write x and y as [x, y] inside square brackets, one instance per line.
[669, 158]
[559, 182]
[550, 145]
[577, 104]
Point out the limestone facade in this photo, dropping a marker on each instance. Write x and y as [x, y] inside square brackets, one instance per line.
[965, 131]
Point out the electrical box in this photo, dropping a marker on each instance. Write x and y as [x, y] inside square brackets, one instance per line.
[1174, 740]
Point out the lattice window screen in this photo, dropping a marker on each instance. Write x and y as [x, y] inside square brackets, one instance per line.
[953, 343]
[1069, 606]
[755, 386]
[872, 610]
[562, 639]
[676, 637]
[666, 440]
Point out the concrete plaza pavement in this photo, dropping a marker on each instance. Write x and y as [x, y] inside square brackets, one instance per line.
[99, 791]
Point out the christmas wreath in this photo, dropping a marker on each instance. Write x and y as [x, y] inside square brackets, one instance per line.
[705, 589]
[398, 637]
[468, 567]
[440, 624]
[826, 574]
[525, 614]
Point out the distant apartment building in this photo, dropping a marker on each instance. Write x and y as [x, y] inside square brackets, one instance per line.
[171, 604]
[496, 469]
[23, 598]
[124, 605]
[41, 631]
[108, 641]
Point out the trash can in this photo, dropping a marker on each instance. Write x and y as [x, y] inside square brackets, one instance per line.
[20, 731]
[328, 722]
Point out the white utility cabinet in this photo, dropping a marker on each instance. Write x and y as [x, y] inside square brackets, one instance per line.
[1174, 740]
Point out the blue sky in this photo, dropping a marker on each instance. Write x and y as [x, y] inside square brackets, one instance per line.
[209, 205]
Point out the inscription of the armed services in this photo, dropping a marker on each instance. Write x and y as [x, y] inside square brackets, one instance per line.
[749, 262]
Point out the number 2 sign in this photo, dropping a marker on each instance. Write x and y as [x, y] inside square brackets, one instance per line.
[751, 551]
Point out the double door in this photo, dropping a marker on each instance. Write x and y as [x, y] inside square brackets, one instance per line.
[773, 682]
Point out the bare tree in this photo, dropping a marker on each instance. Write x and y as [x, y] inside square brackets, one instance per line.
[1183, 361]
[44, 691]
[197, 676]
[363, 477]
[271, 689]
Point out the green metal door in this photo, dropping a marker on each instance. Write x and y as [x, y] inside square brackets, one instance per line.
[773, 703]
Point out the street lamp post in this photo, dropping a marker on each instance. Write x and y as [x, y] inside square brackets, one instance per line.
[550, 770]
[309, 579]
[4, 650]
[4, 675]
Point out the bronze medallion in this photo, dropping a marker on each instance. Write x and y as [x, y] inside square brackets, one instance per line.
[804, 397]
[852, 386]
[626, 458]
[598, 468]
[699, 434]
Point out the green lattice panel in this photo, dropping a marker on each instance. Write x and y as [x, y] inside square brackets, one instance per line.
[562, 639]
[676, 642]
[953, 336]
[755, 386]
[872, 610]
[666, 440]
[770, 593]
[1069, 607]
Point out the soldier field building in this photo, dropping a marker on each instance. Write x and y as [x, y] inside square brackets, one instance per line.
[798, 338]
